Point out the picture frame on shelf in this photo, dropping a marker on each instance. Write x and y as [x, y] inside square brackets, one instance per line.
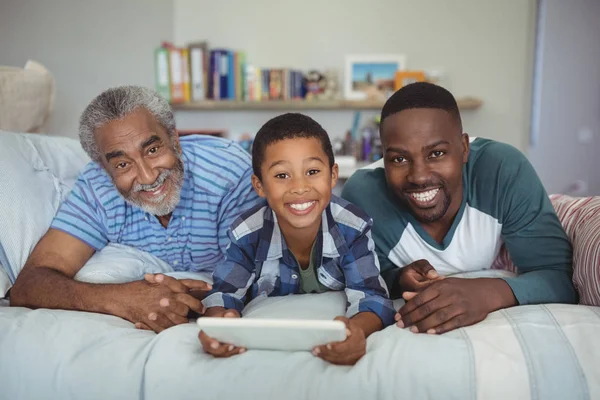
[371, 77]
[404, 78]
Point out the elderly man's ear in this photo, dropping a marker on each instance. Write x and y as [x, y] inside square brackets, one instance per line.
[176, 144]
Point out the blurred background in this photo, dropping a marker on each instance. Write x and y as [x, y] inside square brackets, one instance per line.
[525, 72]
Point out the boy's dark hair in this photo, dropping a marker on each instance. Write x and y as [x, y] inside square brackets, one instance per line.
[420, 95]
[288, 126]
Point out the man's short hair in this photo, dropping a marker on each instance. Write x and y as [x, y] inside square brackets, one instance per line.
[421, 95]
[288, 126]
[115, 104]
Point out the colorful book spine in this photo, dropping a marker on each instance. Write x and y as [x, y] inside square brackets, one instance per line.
[176, 73]
[214, 75]
[265, 90]
[231, 75]
[185, 71]
[199, 71]
[258, 78]
[275, 85]
[161, 69]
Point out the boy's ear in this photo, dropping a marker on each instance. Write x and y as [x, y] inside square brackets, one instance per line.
[257, 185]
[334, 174]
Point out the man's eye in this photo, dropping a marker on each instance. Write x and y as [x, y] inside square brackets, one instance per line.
[313, 172]
[121, 165]
[281, 176]
[398, 160]
[437, 153]
[153, 150]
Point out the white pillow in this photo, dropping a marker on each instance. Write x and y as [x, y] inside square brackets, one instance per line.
[117, 263]
[37, 173]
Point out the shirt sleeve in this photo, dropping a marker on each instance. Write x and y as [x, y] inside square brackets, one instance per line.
[232, 278]
[387, 228]
[80, 216]
[239, 199]
[365, 289]
[535, 239]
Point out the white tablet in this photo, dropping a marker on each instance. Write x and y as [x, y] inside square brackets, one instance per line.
[273, 334]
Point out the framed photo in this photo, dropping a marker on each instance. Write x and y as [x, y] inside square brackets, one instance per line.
[404, 78]
[372, 77]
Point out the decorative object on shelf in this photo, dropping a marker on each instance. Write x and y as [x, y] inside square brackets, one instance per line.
[360, 145]
[315, 84]
[331, 86]
[371, 77]
[404, 78]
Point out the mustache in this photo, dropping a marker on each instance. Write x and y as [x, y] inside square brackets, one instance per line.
[412, 187]
[162, 177]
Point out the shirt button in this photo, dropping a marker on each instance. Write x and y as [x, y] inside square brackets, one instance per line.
[146, 218]
[175, 262]
[169, 239]
[294, 276]
[183, 218]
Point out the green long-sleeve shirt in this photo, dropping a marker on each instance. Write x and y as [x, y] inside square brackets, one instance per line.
[504, 201]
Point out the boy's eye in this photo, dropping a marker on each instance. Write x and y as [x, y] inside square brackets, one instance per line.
[399, 160]
[312, 172]
[437, 153]
[282, 176]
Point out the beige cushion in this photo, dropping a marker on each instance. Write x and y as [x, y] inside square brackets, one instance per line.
[26, 98]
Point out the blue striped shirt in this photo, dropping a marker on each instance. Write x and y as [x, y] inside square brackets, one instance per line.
[216, 189]
[259, 261]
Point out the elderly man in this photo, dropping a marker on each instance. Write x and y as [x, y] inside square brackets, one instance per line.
[145, 188]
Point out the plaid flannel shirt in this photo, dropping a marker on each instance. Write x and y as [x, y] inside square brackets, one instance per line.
[259, 263]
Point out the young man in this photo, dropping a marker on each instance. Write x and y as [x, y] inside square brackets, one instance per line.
[300, 240]
[443, 205]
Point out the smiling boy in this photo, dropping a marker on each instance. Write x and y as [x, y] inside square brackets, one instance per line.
[300, 240]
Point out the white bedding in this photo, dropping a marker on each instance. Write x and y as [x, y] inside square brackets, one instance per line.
[537, 352]
[531, 352]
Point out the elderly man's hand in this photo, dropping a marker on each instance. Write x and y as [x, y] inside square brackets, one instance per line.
[159, 302]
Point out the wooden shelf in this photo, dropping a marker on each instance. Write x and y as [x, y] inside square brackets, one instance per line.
[466, 103]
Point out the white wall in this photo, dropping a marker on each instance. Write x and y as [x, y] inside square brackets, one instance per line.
[88, 45]
[568, 97]
[485, 49]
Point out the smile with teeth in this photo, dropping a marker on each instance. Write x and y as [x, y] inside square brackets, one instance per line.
[302, 206]
[424, 197]
[154, 189]
[155, 193]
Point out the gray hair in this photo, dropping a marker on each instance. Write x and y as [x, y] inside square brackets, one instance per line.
[116, 103]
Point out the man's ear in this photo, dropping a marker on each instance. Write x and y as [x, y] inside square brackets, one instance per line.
[258, 187]
[335, 171]
[176, 143]
[466, 147]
